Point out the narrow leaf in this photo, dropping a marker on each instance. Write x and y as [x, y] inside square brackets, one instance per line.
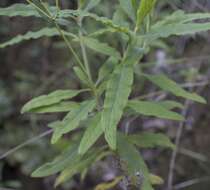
[67, 158]
[78, 167]
[72, 120]
[168, 104]
[134, 161]
[118, 90]
[169, 85]
[81, 75]
[57, 133]
[153, 109]
[144, 9]
[100, 47]
[117, 93]
[92, 133]
[19, 9]
[43, 32]
[65, 106]
[50, 99]
[150, 140]
[178, 29]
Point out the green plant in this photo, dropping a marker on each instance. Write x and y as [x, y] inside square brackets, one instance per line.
[100, 114]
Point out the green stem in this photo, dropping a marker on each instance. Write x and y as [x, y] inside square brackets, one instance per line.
[70, 47]
[30, 2]
[84, 53]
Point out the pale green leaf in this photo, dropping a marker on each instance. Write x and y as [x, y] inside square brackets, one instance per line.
[50, 99]
[66, 159]
[134, 161]
[150, 140]
[149, 108]
[169, 85]
[100, 47]
[92, 133]
[145, 8]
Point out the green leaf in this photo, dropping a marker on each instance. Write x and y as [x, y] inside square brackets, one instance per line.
[117, 93]
[65, 106]
[66, 159]
[92, 133]
[50, 99]
[168, 104]
[57, 131]
[134, 161]
[81, 75]
[153, 109]
[169, 85]
[144, 9]
[180, 17]
[128, 9]
[156, 180]
[150, 140]
[72, 119]
[100, 47]
[103, 20]
[107, 68]
[176, 29]
[44, 32]
[78, 167]
[19, 9]
[118, 90]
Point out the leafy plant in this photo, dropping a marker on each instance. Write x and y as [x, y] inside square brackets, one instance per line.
[100, 115]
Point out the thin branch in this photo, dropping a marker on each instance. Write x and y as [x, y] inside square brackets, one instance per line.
[175, 152]
[191, 182]
[30, 141]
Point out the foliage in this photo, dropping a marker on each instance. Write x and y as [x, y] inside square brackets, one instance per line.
[108, 102]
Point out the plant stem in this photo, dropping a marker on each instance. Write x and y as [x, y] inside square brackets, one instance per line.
[84, 53]
[70, 47]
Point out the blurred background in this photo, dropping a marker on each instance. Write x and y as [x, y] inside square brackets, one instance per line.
[37, 67]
